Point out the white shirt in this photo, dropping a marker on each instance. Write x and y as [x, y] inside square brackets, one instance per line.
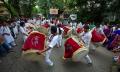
[114, 28]
[100, 30]
[1, 30]
[54, 41]
[23, 30]
[86, 37]
[38, 22]
[8, 38]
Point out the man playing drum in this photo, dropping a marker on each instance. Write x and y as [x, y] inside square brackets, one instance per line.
[53, 40]
[86, 38]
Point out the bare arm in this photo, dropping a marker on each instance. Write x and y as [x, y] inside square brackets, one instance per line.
[44, 50]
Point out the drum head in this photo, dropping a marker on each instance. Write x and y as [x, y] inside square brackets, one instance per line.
[82, 52]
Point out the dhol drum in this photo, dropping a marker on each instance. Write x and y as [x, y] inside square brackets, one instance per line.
[79, 30]
[33, 44]
[74, 49]
[97, 37]
[67, 31]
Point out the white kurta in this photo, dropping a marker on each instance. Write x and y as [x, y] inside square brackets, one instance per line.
[15, 29]
[1, 30]
[100, 30]
[51, 44]
[23, 30]
[8, 38]
[86, 37]
[60, 36]
[73, 25]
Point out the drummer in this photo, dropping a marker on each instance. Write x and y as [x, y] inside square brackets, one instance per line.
[60, 33]
[23, 31]
[53, 40]
[86, 38]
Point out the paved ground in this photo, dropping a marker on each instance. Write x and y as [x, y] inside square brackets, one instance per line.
[102, 60]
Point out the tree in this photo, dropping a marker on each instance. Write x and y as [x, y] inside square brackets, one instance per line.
[10, 8]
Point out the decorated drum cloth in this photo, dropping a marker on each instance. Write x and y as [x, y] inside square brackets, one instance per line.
[97, 37]
[74, 49]
[79, 30]
[46, 25]
[67, 31]
[33, 44]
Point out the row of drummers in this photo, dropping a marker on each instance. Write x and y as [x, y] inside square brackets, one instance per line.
[77, 40]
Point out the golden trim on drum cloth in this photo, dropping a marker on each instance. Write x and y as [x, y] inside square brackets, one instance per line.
[80, 43]
[41, 28]
[31, 51]
[104, 40]
[65, 58]
[79, 50]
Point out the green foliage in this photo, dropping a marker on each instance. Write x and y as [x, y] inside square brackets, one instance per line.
[85, 9]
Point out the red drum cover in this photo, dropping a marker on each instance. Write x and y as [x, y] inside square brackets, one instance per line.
[70, 47]
[46, 25]
[66, 29]
[79, 30]
[97, 37]
[35, 41]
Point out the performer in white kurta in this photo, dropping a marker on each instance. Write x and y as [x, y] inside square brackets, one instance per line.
[38, 21]
[53, 40]
[15, 29]
[8, 37]
[73, 25]
[23, 31]
[86, 38]
[1, 29]
[60, 33]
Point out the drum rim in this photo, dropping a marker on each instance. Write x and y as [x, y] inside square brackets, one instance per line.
[30, 51]
[77, 51]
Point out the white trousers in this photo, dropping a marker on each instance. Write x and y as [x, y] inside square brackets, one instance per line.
[60, 41]
[47, 57]
[88, 59]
